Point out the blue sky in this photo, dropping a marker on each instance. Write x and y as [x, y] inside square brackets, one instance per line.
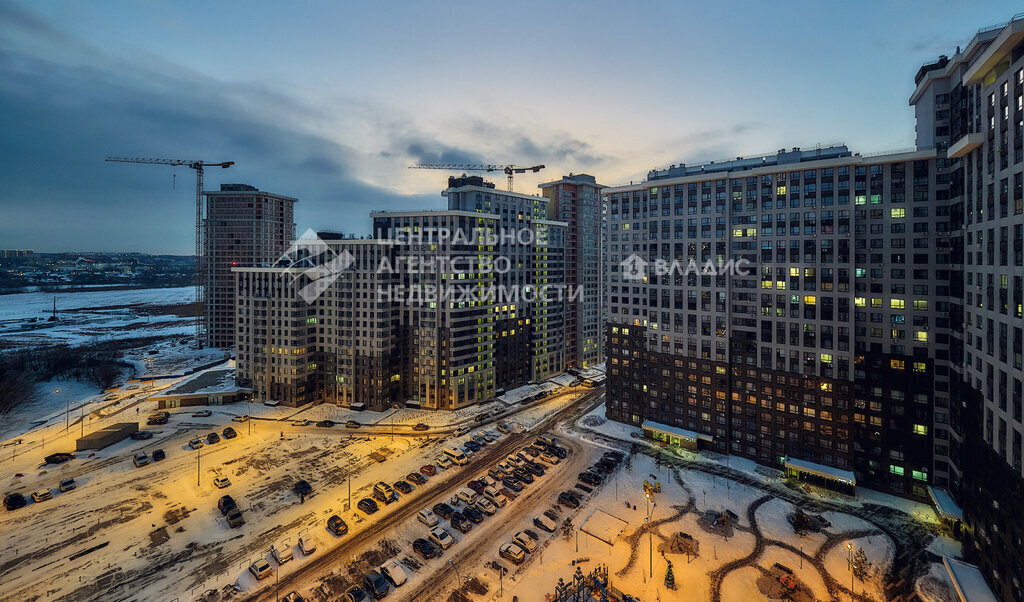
[331, 101]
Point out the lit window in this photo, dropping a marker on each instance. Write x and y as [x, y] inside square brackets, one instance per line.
[860, 301]
[921, 336]
[897, 212]
[896, 470]
[896, 364]
[896, 303]
[920, 367]
[920, 429]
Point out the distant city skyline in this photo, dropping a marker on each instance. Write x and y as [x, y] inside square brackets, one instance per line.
[332, 104]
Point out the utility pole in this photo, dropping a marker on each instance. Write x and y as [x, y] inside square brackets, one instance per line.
[199, 453]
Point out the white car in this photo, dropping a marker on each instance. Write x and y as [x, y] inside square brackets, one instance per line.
[42, 496]
[443, 461]
[545, 522]
[307, 545]
[282, 552]
[195, 443]
[242, 418]
[441, 537]
[221, 482]
[427, 517]
[524, 541]
[512, 552]
[486, 506]
[300, 423]
[260, 569]
[393, 572]
[202, 414]
[140, 459]
[486, 480]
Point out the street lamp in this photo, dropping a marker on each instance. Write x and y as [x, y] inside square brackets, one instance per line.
[199, 452]
[458, 586]
[67, 402]
[849, 546]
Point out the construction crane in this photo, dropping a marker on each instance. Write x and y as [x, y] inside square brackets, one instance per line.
[198, 166]
[509, 170]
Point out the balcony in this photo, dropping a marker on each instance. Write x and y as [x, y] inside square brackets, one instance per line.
[966, 144]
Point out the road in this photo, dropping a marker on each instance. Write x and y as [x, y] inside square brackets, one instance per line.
[439, 490]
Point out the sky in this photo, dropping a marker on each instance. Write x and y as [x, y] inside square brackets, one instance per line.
[330, 102]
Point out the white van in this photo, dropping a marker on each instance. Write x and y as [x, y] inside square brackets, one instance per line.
[456, 455]
[497, 497]
[466, 494]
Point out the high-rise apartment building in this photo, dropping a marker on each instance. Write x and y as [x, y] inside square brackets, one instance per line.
[243, 227]
[576, 200]
[970, 107]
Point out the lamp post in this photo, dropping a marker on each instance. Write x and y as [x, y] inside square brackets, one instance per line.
[199, 453]
[849, 546]
[67, 404]
[458, 586]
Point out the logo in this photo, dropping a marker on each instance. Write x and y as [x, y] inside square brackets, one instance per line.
[309, 257]
[633, 268]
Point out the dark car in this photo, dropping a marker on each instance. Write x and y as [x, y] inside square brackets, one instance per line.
[142, 435]
[513, 484]
[352, 424]
[229, 433]
[155, 420]
[522, 475]
[354, 594]
[226, 504]
[473, 514]
[476, 486]
[13, 501]
[325, 423]
[428, 469]
[497, 474]
[158, 454]
[235, 518]
[403, 487]
[605, 467]
[416, 477]
[424, 548]
[302, 488]
[561, 452]
[336, 525]
[367, 505]
[376, 584]
[568, 499]
[421, 427]
[531, 451]
[584, 488]
[616, 454]
[473, 445]
[443, 510]
[589, 478]
[613, 457]
[58, 458]
[213, 438]
[535, 469]
[460, 522]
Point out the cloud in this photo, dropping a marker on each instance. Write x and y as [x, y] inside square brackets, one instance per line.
[436, 152]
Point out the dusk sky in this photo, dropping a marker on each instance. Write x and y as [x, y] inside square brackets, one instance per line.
[331, 102]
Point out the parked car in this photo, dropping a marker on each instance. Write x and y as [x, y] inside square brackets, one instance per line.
[235, 519]
[367, 505]
[476, 486]
[561, 452]
[195, 443]
[226, 504]
[293, 596]
[394, 573]
[486, 506]
[441, 537]
[383, 492]
[13, 501]
[568, 499]
[221, 482]
[336, 525]
[460, 522]
[416, 477]
[307, 544]
[302, 488]
[513, 484]
[531, 451]
[462, 430]
[352, 424]
[524, 541]
[512, 553]
[354, 594]
[473, 514]
[403, 487]
[534, 469]
[260, 569]
[589, 478]
[140, 459]
[487, 436]
[545, 523]
[67, 484]
[282, 552]
[428, 469]
[229, 433]
[302, 422]
[242, 418]
[584, 488]
[158, 454]
[427, 517]
[213, 438]
[550, 458]
[480, 440]
[325, 423]
[156, 420]
[616, 454]
[522, 475]
[497, 474]
[503, 428]
[421, 427]
[42, 496]
[424, 548]
[376, 585]
[202, 414]
[443, 462]
[58, 458]
[142, 435]
[472, 446]
[443, 510]
[605, 467]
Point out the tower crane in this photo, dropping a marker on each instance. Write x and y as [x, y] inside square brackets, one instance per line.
[198, 166]
[509, 170]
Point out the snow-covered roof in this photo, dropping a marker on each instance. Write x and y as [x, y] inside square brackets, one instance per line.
[944, 504]
[968, 581]
[821, 470]
[674, 430]
[209, 382]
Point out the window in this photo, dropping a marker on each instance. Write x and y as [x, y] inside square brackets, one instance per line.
[897, 212]
[920, 429]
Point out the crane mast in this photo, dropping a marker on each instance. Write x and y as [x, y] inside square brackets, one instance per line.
[198, 167]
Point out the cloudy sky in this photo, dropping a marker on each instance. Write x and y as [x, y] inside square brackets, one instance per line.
[331, 101]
